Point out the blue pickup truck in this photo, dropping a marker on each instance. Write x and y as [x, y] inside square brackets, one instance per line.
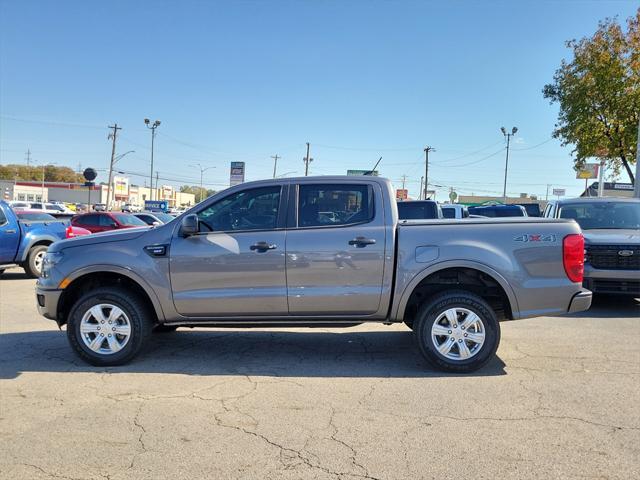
[24, 243]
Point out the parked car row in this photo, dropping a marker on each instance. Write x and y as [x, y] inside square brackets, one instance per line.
[611, 229]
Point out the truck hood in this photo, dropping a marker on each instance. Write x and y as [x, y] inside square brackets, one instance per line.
[103, 237]
[612, 236]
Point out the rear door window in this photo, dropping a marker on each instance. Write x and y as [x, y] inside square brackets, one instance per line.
[323, 205]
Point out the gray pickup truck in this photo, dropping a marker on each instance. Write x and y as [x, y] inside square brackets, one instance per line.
[311, 252]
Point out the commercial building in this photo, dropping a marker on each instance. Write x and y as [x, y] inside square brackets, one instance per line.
[611, 189]
[122, 192]
[474, 200]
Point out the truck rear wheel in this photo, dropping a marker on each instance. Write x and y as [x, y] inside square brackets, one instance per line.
[33, 265]
[457, 331]
[108, 326]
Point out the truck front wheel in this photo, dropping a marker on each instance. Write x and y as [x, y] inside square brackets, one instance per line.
[457, 331]
[108, 326]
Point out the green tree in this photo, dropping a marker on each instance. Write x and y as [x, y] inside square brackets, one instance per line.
[598, 93]
[196, 191]
[52, 173]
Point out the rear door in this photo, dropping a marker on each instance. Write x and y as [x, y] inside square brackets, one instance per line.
[235, 266]
[335, 249]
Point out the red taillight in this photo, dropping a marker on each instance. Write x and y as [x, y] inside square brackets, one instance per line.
[68, 233]
[573, 256]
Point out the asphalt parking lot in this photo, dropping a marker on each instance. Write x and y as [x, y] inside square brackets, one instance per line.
[561, 401]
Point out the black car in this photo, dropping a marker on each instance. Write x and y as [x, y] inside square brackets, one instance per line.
[494, 211]
[533, 209]
[419, 210]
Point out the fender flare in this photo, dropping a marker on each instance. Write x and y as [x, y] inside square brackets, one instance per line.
[126, 272]
[32, 241]
[401, 305]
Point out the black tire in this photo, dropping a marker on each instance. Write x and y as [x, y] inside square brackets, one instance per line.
[432, 310]
[140, 319]
[164, 328]
[29, 266]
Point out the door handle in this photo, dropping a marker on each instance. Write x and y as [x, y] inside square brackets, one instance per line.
[263, 246]
[361, 242]
[9, 231]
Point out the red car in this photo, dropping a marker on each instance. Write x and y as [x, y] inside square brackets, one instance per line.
[38, 216]
[105, 221]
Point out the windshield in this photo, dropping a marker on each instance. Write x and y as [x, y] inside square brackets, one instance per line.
[163, 217]
[594, 215]
[35, 217]
[126, 219]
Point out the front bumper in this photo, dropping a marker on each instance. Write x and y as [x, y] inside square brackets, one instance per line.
[581, 301]
[47, 302]
[612, 282]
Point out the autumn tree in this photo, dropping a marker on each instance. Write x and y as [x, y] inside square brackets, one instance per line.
[598, 93]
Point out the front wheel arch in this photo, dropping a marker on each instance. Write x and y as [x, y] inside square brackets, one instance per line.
[94, 280]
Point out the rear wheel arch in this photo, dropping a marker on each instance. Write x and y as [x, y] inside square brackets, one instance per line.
[476, 279]
[84, 283]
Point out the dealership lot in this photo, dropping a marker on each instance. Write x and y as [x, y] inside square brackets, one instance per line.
[561, 401]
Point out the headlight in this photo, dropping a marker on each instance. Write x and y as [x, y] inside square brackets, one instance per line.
[50, 259]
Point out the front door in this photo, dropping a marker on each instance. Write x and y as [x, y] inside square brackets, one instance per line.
[235, 266]
[9, 239]
[335, 250]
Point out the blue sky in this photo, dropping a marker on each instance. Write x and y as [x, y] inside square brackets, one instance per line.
[235, 81]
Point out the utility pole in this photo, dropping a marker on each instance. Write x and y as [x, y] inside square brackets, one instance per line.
[307, 159]
[546, 197]
[275, 163]
[601, 179]
[404, 181]
[28, 156]
[506, 163]
[152, 127]
[636, 188]
[426, 169]
[420, 191]
[112, 136]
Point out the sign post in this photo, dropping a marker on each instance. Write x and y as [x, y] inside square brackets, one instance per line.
[559, 192]
[237, 173]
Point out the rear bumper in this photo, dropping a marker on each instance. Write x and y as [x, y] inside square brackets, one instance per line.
[47, 302]
[581, 301]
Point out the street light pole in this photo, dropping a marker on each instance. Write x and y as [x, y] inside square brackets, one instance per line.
[506, 163]
[275, 163]
[152, 127]
[202, 170]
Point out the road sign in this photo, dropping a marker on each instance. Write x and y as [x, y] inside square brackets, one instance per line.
[89, 174]
[373, 173]
[590, 170]
[452, 196]
[237, 173]
[560, 192]
[402, 194]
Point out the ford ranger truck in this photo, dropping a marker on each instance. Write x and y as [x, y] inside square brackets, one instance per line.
[267, 254]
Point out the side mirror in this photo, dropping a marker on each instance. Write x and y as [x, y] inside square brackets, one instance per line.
[189, 225]
[156, 223]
